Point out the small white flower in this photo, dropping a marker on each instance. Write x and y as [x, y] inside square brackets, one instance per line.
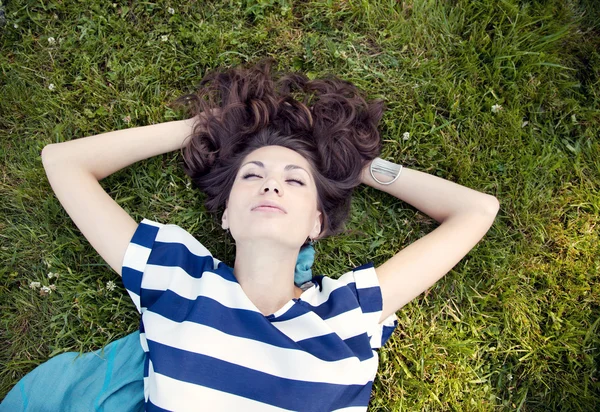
[50, 275]
[165, 37]
[51, 40]
[35, 285]
[52, 287]
[55, 16]
[171, 10]
[45, 290]
[114, 5]
[51, 86]
[127, 119]
[16, 26]
[405, 136]
[525, 123]
[110, 285]
[510, 377]
[496, 108]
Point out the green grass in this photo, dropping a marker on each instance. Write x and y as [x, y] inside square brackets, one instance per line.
[514, 326]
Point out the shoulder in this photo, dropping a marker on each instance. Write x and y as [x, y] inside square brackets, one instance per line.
[156, 244]
[163, 256]
[152, 231]
[356, 287]
[361, 277]
[151, 234]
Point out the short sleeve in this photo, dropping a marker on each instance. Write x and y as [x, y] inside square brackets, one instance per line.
[370, 300]
[155, 254]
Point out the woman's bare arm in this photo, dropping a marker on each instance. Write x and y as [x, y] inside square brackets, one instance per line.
[74, 169]
[465, 216]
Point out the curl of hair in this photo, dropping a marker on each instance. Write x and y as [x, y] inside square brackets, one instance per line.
[241, 109]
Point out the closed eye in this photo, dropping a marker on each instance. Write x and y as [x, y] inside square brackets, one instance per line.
[247, 175]
[250, 175]
[301, 183]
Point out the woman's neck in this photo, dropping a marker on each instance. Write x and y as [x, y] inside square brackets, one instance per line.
[265, 271]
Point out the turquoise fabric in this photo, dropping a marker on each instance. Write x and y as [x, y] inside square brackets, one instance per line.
[303, 272]
[109, 379]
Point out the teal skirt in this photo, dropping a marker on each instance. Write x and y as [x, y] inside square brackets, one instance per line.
[109, 379]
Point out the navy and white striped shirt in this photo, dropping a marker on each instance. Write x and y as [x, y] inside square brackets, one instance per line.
[208, 346]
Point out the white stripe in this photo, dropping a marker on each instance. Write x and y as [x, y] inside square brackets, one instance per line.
[316, 297]
[348, 324]
[307, 326]
[376, 336]
[177, 395]
[136, 300]
[176, 234]
[352, 409]
[136, 257]
[366, 278]
[143, 342]
[285, 363]
[371, 319]
[229, 294]
[146, 388]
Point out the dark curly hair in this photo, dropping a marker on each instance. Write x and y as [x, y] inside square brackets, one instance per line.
[241, 109]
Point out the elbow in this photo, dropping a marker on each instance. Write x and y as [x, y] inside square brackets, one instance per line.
[47, 154]
[493, 205]
[486, 207]
[44, 154]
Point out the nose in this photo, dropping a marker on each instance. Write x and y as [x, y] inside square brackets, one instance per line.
[273, 186]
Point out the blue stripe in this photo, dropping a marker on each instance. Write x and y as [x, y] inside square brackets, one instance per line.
[246, 324]
[328, 347]
[146, 365]
[370, 299]
[227, 377]
[149, 297]
[132, 279]
[150, 407]
[299, 309]
[387, 332]
[144, 235]
[360, 345]
[178, 255]
[206, 311]
[340, 300]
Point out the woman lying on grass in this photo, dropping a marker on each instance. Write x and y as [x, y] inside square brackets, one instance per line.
[279, 173]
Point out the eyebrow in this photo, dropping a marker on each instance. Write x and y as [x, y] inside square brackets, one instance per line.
[288, 167]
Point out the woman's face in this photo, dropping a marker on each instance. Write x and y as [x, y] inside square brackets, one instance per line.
[274, 197]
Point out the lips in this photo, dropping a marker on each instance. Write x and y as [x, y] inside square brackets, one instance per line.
[268, 206]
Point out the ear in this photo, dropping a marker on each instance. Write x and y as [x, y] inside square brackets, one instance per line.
[316, 230]
[224, 221]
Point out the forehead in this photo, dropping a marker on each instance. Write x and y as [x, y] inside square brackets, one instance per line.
[277, 156]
